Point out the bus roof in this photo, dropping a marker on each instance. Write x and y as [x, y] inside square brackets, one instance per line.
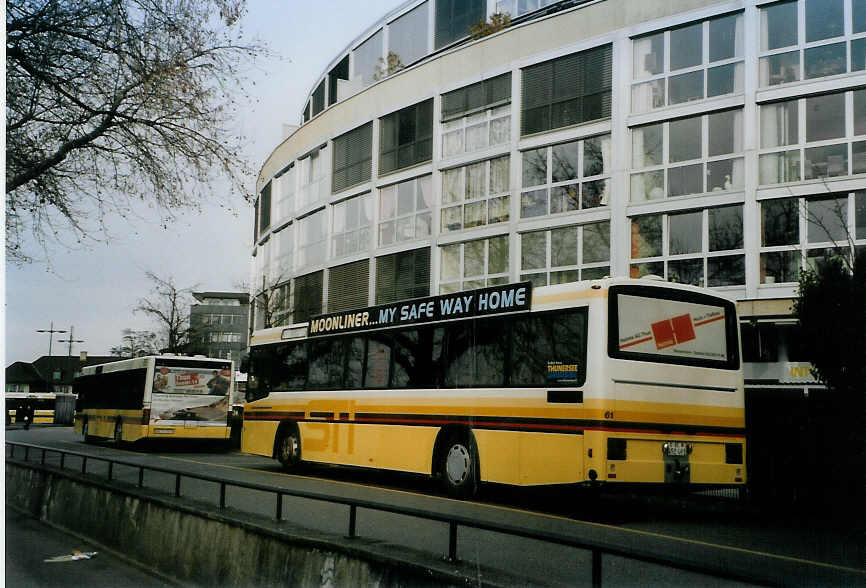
[144, 362]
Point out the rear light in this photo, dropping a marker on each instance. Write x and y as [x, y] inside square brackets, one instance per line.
[145, 416]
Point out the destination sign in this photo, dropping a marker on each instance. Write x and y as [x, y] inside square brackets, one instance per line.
[471, 303]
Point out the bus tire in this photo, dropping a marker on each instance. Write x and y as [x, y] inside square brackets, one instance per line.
[459, 465]
[288, 447]
[118, 432]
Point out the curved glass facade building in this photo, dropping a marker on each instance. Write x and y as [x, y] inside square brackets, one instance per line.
[714, 143]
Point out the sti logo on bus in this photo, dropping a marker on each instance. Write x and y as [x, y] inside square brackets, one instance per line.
[482, 302]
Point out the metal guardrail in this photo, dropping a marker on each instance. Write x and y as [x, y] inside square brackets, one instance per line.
[596, 547]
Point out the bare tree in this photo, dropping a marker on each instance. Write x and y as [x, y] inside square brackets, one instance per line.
[273, 305]
[168, 306]
[109, 102]
[136, 344]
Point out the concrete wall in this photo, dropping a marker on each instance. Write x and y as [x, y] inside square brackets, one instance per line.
[203, 546]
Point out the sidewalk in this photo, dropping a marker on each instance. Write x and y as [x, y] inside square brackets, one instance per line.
[30, 542]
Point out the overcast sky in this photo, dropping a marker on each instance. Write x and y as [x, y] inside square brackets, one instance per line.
[95, 288]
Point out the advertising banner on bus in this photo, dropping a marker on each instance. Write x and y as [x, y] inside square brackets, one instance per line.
[482, 302]
[671, 328]
[190, 396]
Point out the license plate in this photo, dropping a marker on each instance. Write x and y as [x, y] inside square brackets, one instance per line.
[676, 448]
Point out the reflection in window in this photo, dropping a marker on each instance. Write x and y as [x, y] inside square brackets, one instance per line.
[404, 211]
[692, 73]
[697, 160]
[407, 36]
[826, 120]
[821, 52]
[454, 18]
[566, 177]
[476, 116]
[785, 248]
[565, 254]
[351, 225]
[703, 248]
[475, 195]
[368, 56]
[312, 239]
[474, 264]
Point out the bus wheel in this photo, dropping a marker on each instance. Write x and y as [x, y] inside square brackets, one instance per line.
[459, 466]
[118, 433]
[289, 448]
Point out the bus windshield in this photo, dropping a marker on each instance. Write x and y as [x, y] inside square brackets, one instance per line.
[673, 326]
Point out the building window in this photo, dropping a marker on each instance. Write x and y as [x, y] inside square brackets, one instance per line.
[406, 137]
[313, 170]
[407, 38]
[688, 156]
[312, 239]
[368, 57]
[308, 291]
[284, 248]
[565, 254]
[351, 229]
[475, 264]
[476, 195]
[220, 319]
[339, 73]
[566, 91]
[810, 39]
[265, 209]
[810, 138]
[801, 233]
[520, 7]
[700, 247]
[281, 305]
[454, 19]
[225, 338]
[353, 157]
[349, 286]
[319, 98]
[566, 177]
[262, 264]
[405, 211]
[404, 275]
[692, 62]
[285, 184]
[477, 116]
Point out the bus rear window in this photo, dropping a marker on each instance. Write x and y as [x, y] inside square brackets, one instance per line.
[672, 326]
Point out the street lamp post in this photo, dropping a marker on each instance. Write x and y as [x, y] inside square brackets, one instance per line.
[51, 332]
[71, 340]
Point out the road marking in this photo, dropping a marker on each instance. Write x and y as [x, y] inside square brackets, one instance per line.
[537, 514]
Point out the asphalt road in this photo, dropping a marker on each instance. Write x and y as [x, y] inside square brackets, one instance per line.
[682, 524]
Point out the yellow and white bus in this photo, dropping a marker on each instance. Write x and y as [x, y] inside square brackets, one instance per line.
[155, 397]
[42, 403]
[613, 381]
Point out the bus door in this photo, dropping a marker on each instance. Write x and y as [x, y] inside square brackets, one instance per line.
[190, 397]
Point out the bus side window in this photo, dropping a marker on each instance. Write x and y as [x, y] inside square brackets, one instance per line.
[378, 368]
[326, 363]
[491, 347]
[354, 373]
[526, 362]
[459, 355]
[293, 368]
